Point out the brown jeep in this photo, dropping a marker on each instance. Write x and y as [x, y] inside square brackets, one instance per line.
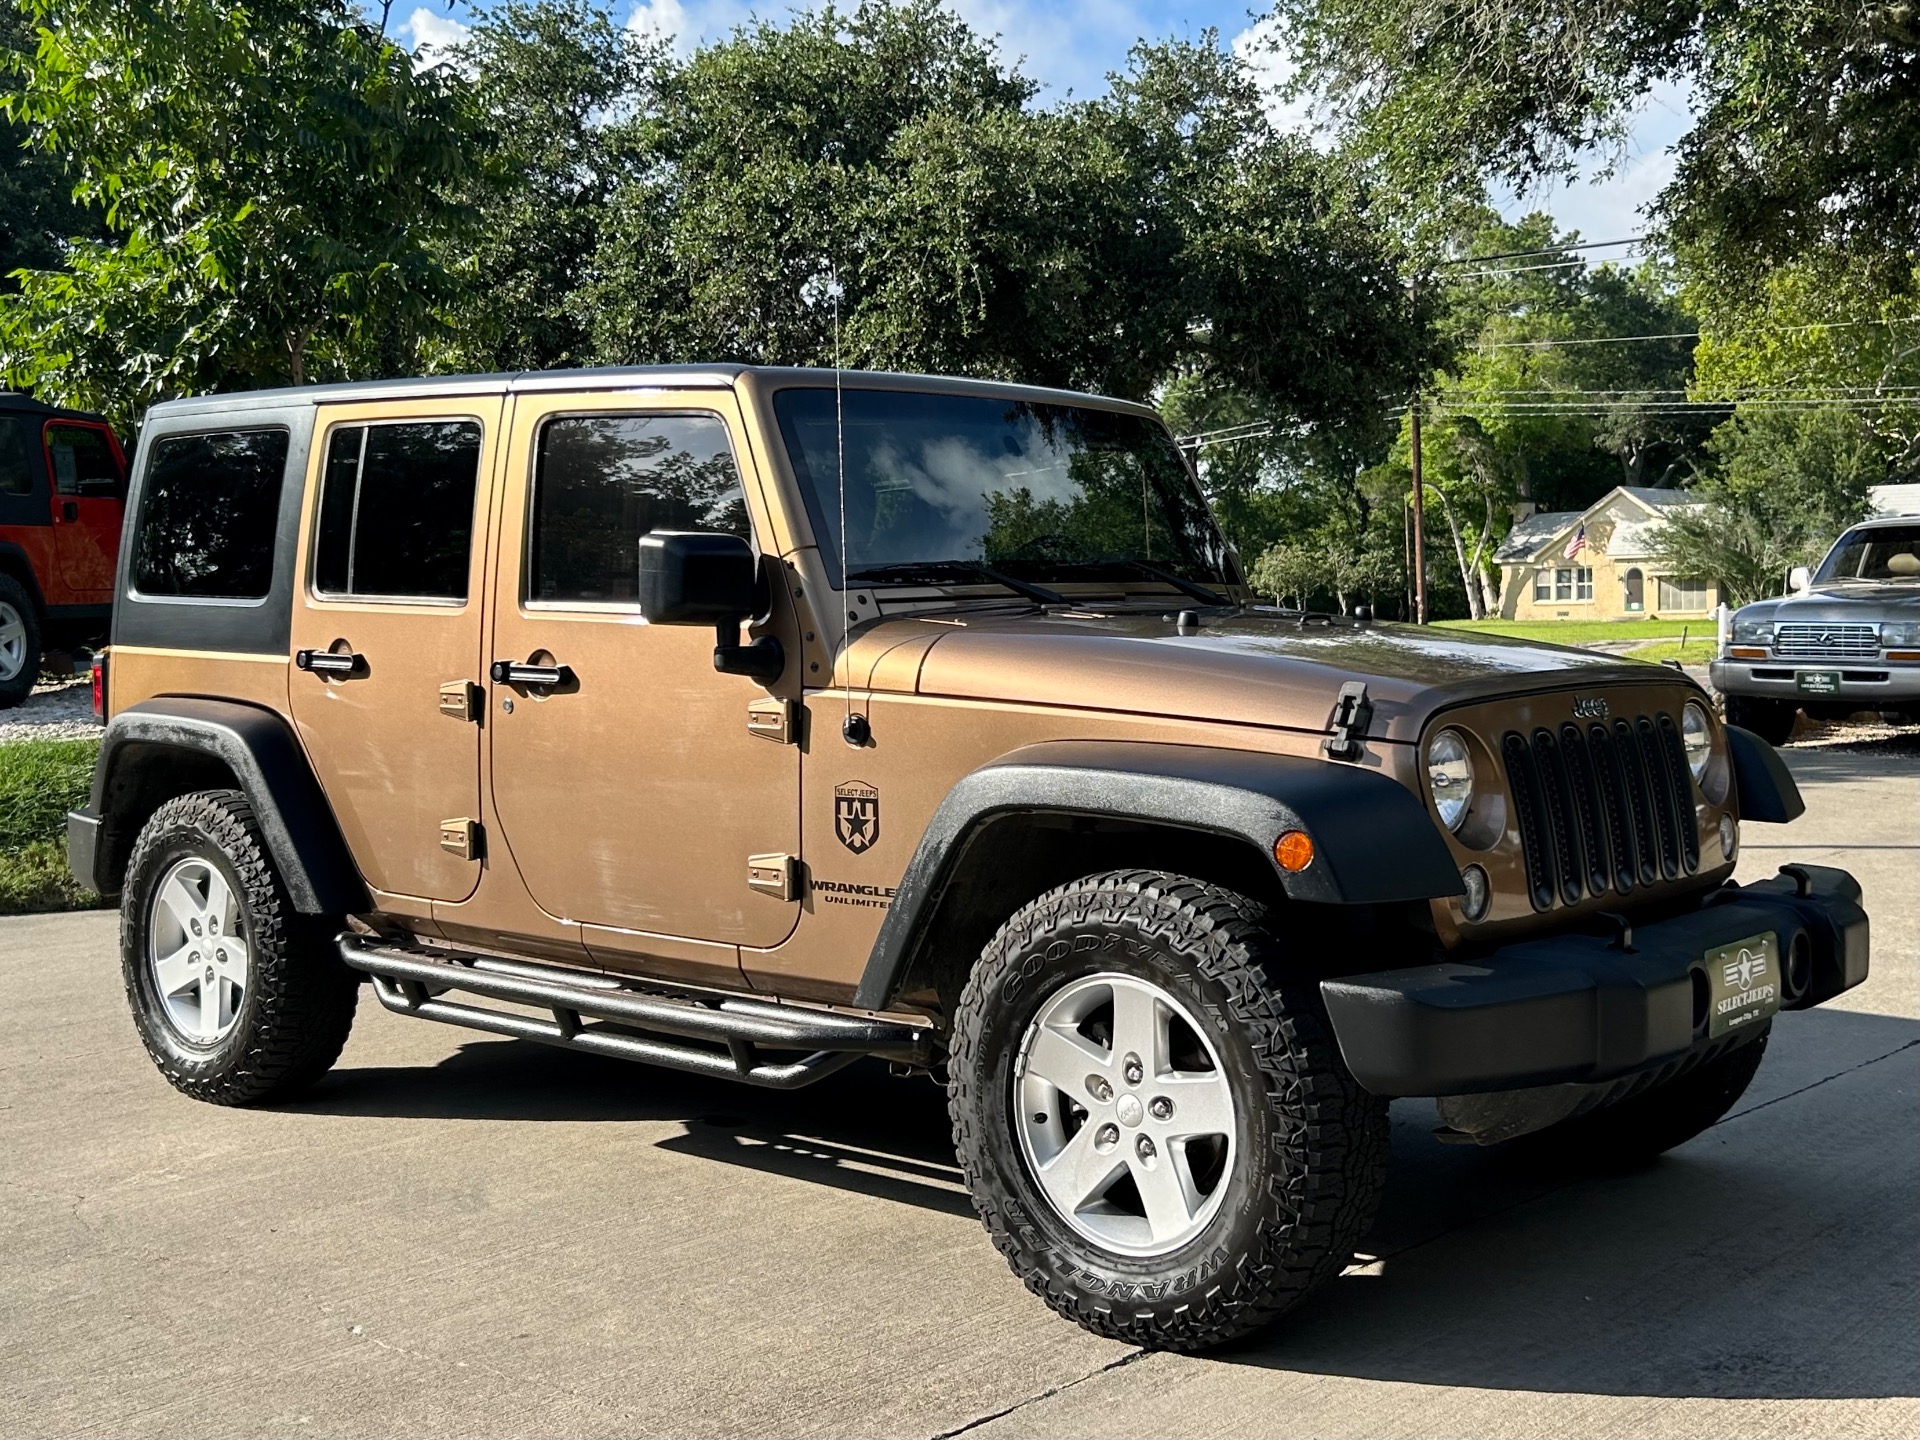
[751, 722]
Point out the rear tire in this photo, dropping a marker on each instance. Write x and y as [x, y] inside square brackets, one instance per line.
[20, 642]
[1273, 1196]
[1771, 720]
[238, 997]
[1653, 1122]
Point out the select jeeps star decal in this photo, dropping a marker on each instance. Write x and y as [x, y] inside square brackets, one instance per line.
[856, 815]
[1593, 708]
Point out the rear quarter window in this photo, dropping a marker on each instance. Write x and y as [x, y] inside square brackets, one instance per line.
[207, 515]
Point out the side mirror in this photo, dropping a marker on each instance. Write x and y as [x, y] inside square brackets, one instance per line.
[1799, 580]
[693, 578]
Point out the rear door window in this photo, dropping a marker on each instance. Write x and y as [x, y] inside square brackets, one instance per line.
[83, 461]
[207, 515]
[396, 510]
[603, 481]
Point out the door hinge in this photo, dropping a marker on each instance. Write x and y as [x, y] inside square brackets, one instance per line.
[775, 720]
[462, 837]
[774, 875]
[461, 699]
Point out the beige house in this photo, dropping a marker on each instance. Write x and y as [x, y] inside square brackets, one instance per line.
[1598, 564]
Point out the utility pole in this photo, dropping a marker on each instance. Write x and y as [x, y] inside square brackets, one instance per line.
[1419, 519]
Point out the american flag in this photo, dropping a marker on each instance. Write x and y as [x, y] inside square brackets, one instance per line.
[1576, 545]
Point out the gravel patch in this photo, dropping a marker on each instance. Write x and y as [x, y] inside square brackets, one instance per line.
[57, 710]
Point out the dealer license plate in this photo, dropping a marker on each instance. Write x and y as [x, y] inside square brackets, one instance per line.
[1817, 682]
[1744, 982]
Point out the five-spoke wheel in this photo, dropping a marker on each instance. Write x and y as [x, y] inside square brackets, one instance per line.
[1125, 1115]
[197, 950]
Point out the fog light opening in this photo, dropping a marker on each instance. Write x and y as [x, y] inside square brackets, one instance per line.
[1702, 998]
[1473, 905]
[1799, 965]
[1729, 836]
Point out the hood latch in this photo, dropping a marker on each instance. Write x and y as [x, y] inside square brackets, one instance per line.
[1352, 714]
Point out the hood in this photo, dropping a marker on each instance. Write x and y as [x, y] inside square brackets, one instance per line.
[1865, 601]
[1246, 669]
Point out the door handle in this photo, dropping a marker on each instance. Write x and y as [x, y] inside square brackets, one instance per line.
[70, 511]
[325, 662]
[538, 677]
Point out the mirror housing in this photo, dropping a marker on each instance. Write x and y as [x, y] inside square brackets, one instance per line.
[1799, 580]
[691, 577]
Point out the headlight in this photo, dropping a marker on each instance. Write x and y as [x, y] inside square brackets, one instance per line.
[1904, 636]
[1450, 776]
[1697, 736]
[1752, 632]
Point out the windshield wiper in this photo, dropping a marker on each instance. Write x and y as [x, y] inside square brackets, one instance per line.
[909, 569]
[1186, 587]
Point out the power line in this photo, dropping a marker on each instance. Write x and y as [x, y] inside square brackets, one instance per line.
[1549, 250]
[1694, 334]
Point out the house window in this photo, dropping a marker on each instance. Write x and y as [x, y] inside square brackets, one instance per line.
[1567, 583]
[1682, 594]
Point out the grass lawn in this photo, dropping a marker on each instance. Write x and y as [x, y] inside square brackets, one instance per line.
[1584, 632]
[1695, 652]
[40, 780]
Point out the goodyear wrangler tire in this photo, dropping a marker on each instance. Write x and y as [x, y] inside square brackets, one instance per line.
[1153, 1117]
[238, 998]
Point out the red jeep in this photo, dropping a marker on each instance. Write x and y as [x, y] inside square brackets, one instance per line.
[63, 485]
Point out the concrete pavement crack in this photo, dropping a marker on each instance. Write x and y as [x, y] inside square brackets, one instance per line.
[1047, 1394]
[1816, 1084]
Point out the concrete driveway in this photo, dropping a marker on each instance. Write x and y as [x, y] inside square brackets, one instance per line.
[456, 1235]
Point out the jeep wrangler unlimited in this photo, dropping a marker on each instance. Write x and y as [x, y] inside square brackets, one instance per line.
[752, 721]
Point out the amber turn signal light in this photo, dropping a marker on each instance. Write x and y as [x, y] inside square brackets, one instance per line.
[1293, 850]
[1747, 652]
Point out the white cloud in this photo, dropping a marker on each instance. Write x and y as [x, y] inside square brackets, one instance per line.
[431, 36]
[1069, 47]
[1261, 48]
[687, 26]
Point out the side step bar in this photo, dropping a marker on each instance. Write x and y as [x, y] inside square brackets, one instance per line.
[409, 982]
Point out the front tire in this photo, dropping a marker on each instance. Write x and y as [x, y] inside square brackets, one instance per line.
[1771, 720]
[1217, 1182]
[239, 998]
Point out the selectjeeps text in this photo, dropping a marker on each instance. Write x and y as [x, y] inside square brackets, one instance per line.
[753, 721]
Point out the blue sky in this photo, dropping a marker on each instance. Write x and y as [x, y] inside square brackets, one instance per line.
[1069, 46]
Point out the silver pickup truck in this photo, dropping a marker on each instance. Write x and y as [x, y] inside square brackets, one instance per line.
[1847, 639]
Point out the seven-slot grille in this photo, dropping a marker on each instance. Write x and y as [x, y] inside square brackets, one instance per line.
[1601, 806]
[1812, 641]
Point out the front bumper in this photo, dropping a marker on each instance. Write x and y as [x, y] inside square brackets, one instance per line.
[1586, 1008]
[1873, 683]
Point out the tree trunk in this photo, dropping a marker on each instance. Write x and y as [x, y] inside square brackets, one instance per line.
[1468, 581]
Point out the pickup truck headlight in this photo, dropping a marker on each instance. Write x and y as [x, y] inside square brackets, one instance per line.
[1903, 636]
[1450, 776]
[1697, 736]
[1752, 632]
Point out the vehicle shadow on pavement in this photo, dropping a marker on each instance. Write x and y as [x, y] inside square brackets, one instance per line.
[1771, 1258]
[862, 1129]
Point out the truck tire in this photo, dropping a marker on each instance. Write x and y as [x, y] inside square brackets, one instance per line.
[1194, 1196]
[1771, 720]
[1636, 1130]
[20, 642]
[239, 998]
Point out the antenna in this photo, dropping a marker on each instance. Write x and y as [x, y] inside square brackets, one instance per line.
[853, 728]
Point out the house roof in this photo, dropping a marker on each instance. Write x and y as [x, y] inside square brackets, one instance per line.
[1530, 536]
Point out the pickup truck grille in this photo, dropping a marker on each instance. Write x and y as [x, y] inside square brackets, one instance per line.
[1805, 640]
[1601, 807]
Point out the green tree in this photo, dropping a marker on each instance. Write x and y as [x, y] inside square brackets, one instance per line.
[277, 181]
[1807, 111]
[37, 210]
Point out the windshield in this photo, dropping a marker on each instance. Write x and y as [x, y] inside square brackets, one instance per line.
[1888, 552]
[1042, 493]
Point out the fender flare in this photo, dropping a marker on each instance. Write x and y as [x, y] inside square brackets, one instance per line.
[261, 750]
[1374, 842]
[1765, 788]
